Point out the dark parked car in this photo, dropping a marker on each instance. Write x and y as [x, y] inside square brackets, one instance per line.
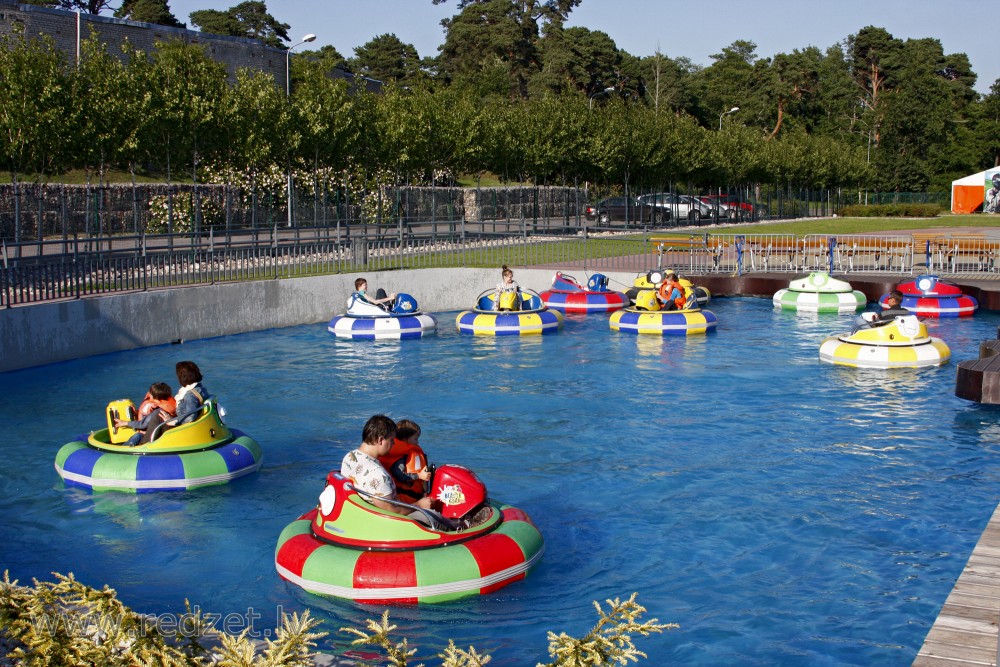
[621, 209]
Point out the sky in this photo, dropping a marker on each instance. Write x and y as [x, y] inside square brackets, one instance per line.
[694, 29]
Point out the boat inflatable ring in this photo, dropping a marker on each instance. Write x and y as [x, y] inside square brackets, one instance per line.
[663, 322]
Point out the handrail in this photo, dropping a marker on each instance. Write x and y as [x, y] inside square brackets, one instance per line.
[435, 520]
[206, 405]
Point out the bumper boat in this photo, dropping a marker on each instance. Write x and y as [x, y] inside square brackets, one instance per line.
[348, 548]
[819, 293]
[367, 321]
[651, 280]
[567, 295]
[646, 317]
[201, 453]
[900, 343]
[929, 296]
[533, 317]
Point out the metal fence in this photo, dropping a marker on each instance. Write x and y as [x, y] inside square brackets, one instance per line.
[84, 266]
[34, 212]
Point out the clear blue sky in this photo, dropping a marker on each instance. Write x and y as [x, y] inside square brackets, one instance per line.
[694, 29]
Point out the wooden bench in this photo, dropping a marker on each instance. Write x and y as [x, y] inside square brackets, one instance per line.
[928, 246]
[970, 251]
[784, 251]
[875, 253]
[694, 244]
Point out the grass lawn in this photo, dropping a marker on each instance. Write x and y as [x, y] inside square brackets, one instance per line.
[862, 225]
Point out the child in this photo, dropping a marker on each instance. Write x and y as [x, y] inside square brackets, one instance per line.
[508, 294]
[407, 463]
[158, 400]
[672, 293]
[381, 299]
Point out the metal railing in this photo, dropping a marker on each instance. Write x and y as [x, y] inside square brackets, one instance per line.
[79, 267]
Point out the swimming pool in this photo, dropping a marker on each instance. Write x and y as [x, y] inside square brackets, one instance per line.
[781, 510]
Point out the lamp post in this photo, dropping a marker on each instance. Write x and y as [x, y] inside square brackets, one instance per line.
[288, 93]
[606, 91]
[726, 113]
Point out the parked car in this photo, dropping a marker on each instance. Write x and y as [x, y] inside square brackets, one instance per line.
[706, 210]
[677, 207]
[736, 207]
[620, 209]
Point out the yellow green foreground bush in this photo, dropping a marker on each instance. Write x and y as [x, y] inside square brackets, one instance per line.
[66, 623]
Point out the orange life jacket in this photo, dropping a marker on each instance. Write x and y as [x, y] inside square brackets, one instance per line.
[666, 289]
[168, 405]
[414, 461]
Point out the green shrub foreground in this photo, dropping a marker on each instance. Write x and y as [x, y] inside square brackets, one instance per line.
[66, 623]
[891, 211]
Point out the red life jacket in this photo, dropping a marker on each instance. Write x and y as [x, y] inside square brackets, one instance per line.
[414, 461]
[168, 405]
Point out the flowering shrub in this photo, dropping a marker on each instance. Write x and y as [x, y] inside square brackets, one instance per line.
[183, 203]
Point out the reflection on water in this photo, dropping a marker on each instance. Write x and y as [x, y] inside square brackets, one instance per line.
[781, 510]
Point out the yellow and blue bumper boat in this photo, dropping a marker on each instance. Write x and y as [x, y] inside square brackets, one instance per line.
[528, 316]
[201, 453]
[646, 317]
[900, 343]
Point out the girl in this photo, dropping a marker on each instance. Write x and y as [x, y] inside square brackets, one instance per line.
[508, 294]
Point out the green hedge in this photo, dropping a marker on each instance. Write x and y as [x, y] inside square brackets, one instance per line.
[891, 211]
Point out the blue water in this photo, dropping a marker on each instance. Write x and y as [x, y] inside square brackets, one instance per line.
[781, 510]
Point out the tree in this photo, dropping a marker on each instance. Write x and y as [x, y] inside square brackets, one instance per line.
[327, 57]
[187, 87]
[730, 82]
[35, 117]
[793, 78]
[323, 114]
[99, 88]
[668, 82]
[490, 35]
[148, 11]
[247, 19]
[388, 59]
[873, 55]
[577, 60]
[255, 122]
[550, 11]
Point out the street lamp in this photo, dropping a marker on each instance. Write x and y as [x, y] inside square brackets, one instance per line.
[606, 91]
[288, 58]
[726, 113]
[288, 93]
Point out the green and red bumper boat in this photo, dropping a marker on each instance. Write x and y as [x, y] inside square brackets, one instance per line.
[348, 548]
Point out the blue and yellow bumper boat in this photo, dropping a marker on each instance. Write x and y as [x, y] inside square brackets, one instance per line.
[201, 453]
[647, 318]
[532, 318]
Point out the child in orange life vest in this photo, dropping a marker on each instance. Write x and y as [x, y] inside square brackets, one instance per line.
[407, 463]
[671, 293]
[158, 398]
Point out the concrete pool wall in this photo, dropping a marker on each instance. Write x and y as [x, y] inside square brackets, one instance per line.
[47, 333]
